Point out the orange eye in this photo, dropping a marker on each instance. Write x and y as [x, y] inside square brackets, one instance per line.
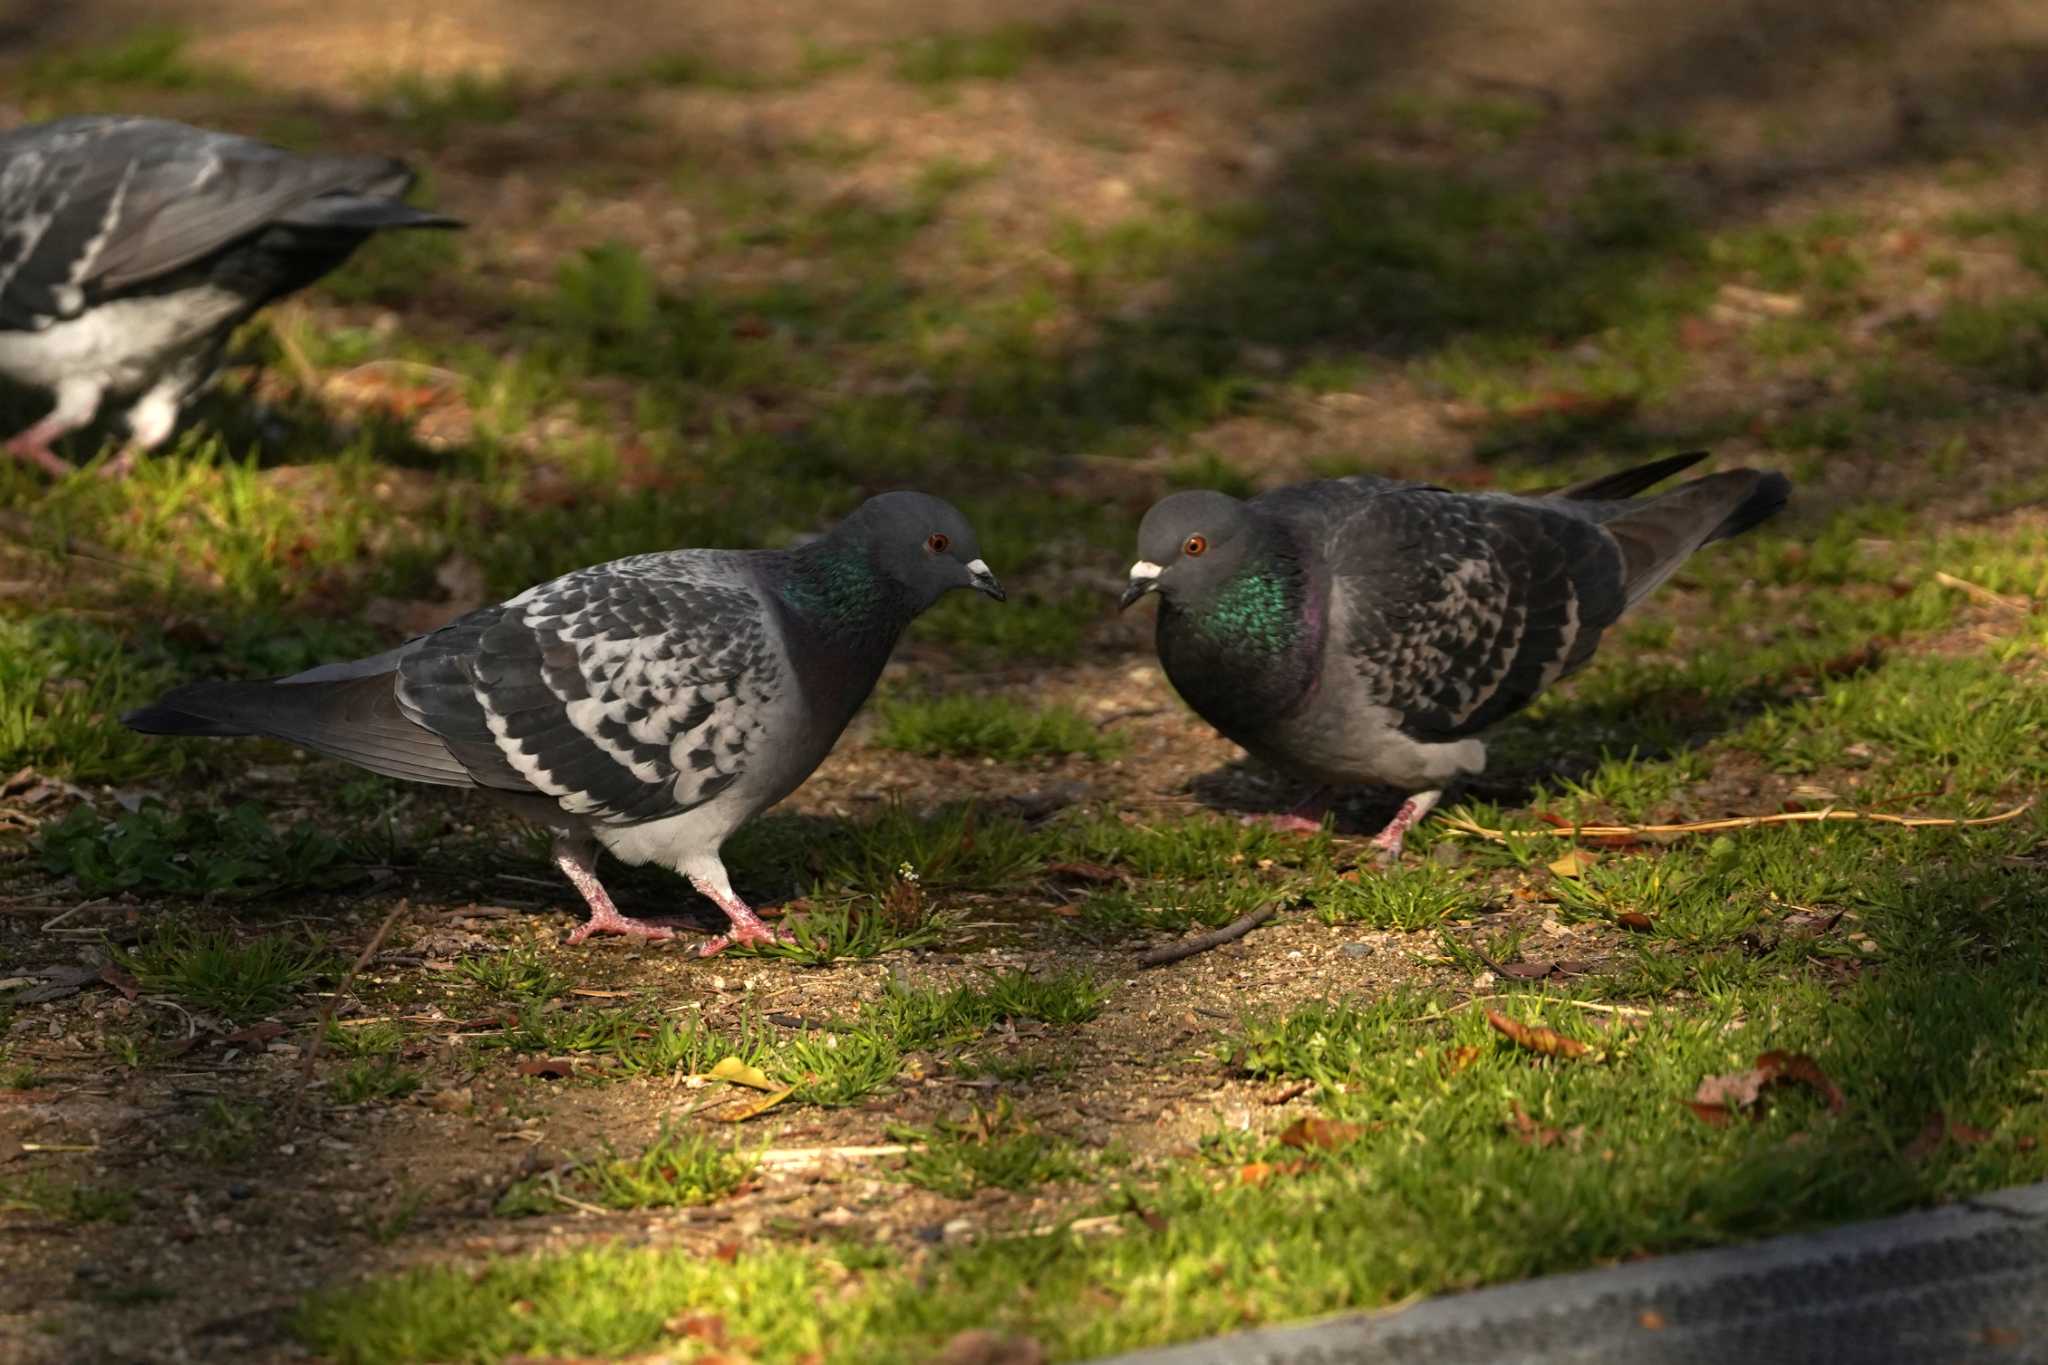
[938, 542]
[1195, 545]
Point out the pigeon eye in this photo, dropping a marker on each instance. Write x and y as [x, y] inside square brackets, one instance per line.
[1194, 546]
[938, 542]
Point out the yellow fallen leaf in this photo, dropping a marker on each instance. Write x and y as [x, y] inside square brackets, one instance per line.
[739, 1073]
[758, 1107]
[1572, 864]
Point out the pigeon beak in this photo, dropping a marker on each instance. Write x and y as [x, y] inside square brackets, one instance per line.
[1144, 579]
[981, 580]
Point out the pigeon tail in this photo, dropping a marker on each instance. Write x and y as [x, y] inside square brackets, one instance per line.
[1626, 483]
[1659, 535]
[355, 719]
[363, 213]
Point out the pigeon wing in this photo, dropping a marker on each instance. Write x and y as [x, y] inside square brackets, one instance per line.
[628, 692]
[89, 206]
[1459, 610]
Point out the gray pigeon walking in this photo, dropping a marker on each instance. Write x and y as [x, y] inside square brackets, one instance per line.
[130, 248]
[651, 705]
[1363, 630]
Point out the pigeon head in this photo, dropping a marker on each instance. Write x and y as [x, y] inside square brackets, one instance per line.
[1189, 545]
[921, 544]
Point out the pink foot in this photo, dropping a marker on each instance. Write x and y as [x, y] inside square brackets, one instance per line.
[1290, 823]
[746, 925]
[39, 454]
[1305, 818]
[1388, 841]
[122, 465]
[610, 921]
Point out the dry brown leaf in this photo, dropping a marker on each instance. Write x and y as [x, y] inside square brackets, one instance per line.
[548, 1068]
[1535, 1037]
[1940, 1130]
[1650, 1320]
[1636, 920]
[1800, 1068]
[121, 981]
[255, 1033]
[979, 1346]
[757, 1108]
[1329, 1134]
[1458, 1058]
[1530, 1133]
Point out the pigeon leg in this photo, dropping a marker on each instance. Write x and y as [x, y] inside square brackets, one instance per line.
[1388, 840]
[149, 422]
[708, 876]
[576, 858]
[1305, 818]
[77, 401]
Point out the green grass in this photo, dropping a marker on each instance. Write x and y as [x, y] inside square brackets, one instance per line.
[943, 59]
[961, 725]
[990, 1150]
[677, 1170]
[151, 58]
[47, 1197]
[233, 853]
[370, 1079]
[213, 970]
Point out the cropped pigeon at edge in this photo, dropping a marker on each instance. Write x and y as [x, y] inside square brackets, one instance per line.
[1366, 630]
[650, 705]
[130, 248]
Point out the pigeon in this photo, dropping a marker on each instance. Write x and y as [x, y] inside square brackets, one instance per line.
[130, 248]
[650, 705]
[1364, 631]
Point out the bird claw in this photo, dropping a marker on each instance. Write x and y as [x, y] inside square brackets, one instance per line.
[616, 923]
[1288, 823]
[746, 935]
[42, 457]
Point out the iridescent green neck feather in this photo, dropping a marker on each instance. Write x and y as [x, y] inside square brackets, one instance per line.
[837, 589]
[1258, 609]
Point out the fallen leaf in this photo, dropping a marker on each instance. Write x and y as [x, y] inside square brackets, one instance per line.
[1572, 865]
[1535, 1037]
[1458, 1058]
[255, 1033]
[551, 1068]
[1553, 819]
[757, 1108]
[1739, 1088]
[1940, 1130]
[453, 1100]
[705, 1327]
[1329, 1134]
[1999, 1336]
[121, 981]
[979, 1346]
[1798, 1067]
[1636, 920]
[1084, 872]
[739, 1073]
[1809, 923]
[1530, 1133]
[1650, 1320]
[1292, 1092]
[726, 1251]
[1525, 971]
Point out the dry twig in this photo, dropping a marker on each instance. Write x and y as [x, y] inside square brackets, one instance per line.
[334, 1003]
[1202, 943]
[1464, 826]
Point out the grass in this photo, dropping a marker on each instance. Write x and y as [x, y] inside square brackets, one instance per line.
[73, 1203]
[676, 1170]
[992, 1150]
[959, 725]
[939, 60]
[214, 971]
[233, 853]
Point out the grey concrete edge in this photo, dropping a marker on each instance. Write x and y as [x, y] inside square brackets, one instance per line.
[1583, 1289]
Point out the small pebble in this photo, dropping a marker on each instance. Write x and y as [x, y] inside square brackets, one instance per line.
[1356, 950]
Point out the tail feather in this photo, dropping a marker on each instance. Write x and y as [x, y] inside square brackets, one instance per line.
[354, 719]
[1658, 535]
[363, 212]
[1626, 483]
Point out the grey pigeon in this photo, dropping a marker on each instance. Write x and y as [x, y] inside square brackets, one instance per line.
[131, 247]
[1364, 631]
[651, 705]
